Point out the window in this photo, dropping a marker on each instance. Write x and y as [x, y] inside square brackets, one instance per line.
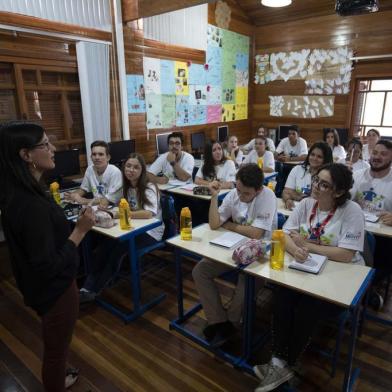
[373, 107]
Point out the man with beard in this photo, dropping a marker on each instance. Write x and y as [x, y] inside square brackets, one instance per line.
[372, 190]
[173, 164]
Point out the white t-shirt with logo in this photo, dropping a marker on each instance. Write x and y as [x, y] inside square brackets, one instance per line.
[268, 159]
[108, 185]
[224, 172]
[360, 164]
[300, 148]
[300, 180]
[372, 194]
[346, 229]
[261, 212]
[155, 207]
[338, 152]
[251, 145]
[162, 165]
[365, 153]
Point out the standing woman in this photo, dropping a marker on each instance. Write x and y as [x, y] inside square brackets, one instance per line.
[298, 184]
[233, 151]
[372, 136]
[42, 246]
[332, 138]
[217, 170]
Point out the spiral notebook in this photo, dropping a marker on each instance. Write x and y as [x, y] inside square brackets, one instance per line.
[312, 264]
[229, 240]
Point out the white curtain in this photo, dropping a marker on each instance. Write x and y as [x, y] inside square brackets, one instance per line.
[93, 66]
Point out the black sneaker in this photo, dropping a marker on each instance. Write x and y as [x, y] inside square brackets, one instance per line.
[209, 331]
[224, 331]
[86, 297]
[376, 301]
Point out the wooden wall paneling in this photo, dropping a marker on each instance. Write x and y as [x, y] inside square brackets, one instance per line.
[20, 92]
[136, 46]
[368, 34]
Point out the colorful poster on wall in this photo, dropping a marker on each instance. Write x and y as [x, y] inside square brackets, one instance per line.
[197, 74]
[168, 85]
[181, 77]
[197, 114]
[197, 95]
[152, 71]
[228, 113]
[214, 95]
[214, 113]
[136, 94]
[168, 111]
[154, 111]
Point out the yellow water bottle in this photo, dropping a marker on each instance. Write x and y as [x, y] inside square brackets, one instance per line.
[260, 163]
[54, 188]
[125, 215]
[186, 224]
[277, 250]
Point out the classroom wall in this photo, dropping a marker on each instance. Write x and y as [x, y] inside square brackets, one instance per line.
[136, 47]
[368, 34]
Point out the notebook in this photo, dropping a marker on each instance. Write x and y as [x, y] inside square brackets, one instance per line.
[229, 240]
[371, 217]
[313, 264]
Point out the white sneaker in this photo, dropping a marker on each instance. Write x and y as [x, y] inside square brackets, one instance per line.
[273, 376]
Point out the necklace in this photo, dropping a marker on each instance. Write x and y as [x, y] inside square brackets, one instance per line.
[318, 229]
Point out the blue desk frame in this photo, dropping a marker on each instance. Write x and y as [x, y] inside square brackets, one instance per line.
[138, 307]
[248, 344]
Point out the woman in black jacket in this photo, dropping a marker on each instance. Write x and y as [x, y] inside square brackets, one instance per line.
[42, 246]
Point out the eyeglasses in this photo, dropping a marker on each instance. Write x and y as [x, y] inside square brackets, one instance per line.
[320, 184]
[44, 145]
[175, 144]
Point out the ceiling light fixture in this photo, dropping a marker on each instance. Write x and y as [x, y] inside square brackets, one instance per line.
[275, 3]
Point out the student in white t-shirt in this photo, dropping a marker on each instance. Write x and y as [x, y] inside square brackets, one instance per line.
[269, 142]
[291, 148]
[327, 223]
[263, 158]
[298, 183]
[353, 159]
[372, 137]
[233, 152]
[102, 179]
[250, 210]
[144, 201]
[175, 164]
[332, 138]
[217, 170]
[372, 190]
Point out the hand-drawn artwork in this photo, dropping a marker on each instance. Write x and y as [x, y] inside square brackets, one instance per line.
[197, 74]
[329, 71]
[214, 62]
[228, 95]
[214, 95]
[197, 114]
[291, 65]
[228, 113]
[302, 106]
[197, 95]
[241, 78]
[168, 85]
[214, 36]
[241, 111]
[154, 109]
[168, 103]
[136, 94]
[181, 78]
[152, 71]
[214, 113]
[262, 74]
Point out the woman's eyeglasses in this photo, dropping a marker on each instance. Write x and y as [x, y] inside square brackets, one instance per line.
[320, 184]
[44, 145]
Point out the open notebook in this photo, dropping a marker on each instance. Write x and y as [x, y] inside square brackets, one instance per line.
[229, 240]
[313, 264]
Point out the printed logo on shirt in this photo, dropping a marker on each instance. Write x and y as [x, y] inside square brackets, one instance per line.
[352, 236]
[265, 216]
[370, 201]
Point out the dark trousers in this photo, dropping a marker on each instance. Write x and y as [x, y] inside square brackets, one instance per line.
[57, 329]
[295, 318]
[382, 262]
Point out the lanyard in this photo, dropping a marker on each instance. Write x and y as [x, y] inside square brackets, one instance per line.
[316, 231]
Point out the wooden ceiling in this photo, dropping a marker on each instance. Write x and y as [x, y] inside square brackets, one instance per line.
[299, 9]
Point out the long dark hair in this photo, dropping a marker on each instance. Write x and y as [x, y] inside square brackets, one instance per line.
[336, 139]
[327, 153]
[142, 182]
[14, 171]
[208, 169]
[342, 180]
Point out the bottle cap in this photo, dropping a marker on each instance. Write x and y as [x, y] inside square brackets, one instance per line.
[54, 186]
[124, 203]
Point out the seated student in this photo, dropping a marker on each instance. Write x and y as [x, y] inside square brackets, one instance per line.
[233, 152]
[173, 164]
[332, 138]
[327, 223]
[217, 170]
[250, 210]
[372, 190]
[298, 184]
[260, 152]
[101, 179]
[372, 137]
[143, 198]
[291, 148]
[260, 132]
[353, 159]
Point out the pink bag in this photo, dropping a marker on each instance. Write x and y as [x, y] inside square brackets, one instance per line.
[249, 251]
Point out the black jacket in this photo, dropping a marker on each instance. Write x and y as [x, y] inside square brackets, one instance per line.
[43, 260]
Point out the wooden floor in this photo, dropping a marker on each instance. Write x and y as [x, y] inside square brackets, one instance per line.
[146, 356]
